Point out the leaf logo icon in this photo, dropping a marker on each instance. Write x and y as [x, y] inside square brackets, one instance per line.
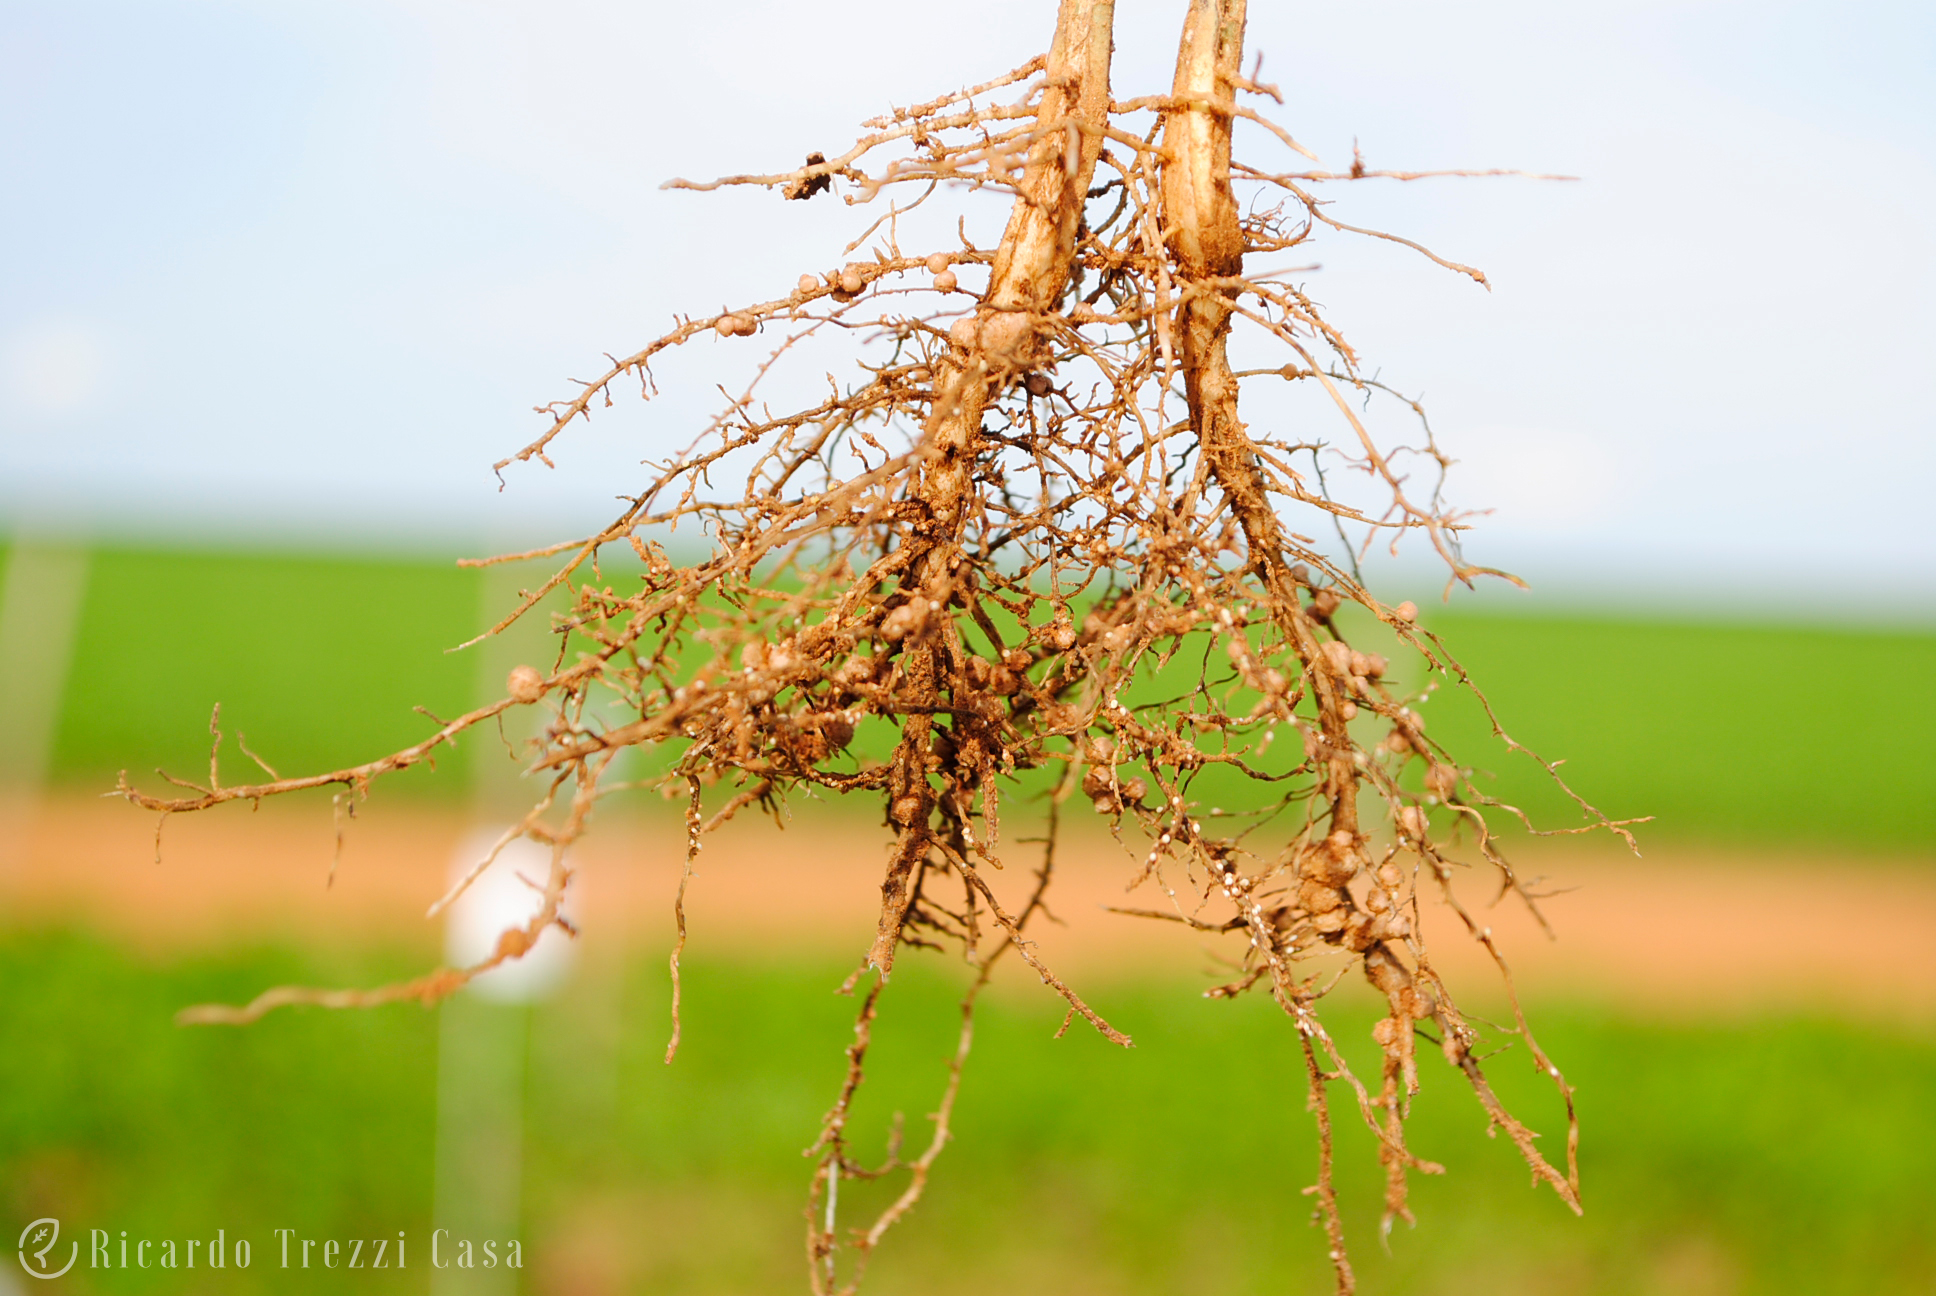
[45, 1232]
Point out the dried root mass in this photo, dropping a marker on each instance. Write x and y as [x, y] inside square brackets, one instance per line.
[1038, 493]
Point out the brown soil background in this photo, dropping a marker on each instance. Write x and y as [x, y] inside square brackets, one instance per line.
[1678, 930]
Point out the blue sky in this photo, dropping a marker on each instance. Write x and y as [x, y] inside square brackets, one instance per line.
[296, 272]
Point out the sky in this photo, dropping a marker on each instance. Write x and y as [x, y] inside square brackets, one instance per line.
[295, 273]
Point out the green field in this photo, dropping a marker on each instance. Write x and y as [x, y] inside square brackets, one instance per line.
[318, 663]
[1725, 733]
[1745, 734]
[1770, 1155]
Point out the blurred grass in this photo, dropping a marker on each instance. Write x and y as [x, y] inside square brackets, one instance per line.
[317, 662]
[1738, 733]
[1774, 1154]
[1771, 1155]
[1724, 732]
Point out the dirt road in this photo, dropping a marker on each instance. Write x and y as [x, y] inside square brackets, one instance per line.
[1677, 929]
